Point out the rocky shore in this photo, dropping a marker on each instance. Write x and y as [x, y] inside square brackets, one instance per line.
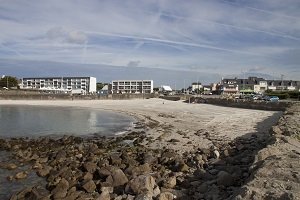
[252, 166]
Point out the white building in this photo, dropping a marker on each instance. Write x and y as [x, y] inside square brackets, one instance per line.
[74, 85]
[132, 86]
[196, 86]
[261, 87]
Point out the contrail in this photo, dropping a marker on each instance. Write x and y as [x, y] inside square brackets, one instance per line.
[174, 42]
[262, 10]
[279, 34]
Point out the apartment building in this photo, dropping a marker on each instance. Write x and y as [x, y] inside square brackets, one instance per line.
[79, 85]
[132, 86]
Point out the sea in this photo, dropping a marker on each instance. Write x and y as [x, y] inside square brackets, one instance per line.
[34, 121]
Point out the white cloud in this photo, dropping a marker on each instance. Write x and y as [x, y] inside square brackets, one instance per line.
[133, 63]
[62, 35]
[166, 34]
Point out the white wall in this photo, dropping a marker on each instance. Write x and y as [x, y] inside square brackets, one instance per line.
[93, 85]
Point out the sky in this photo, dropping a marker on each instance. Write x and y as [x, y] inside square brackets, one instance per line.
[138, 39]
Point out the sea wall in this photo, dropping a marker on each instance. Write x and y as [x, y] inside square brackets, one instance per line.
[240, 103]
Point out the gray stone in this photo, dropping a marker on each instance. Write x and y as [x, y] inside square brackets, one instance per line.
[203, 188]
[21, 175]
[142, 184]
[170, 182]
[60, 191]
[44, 171]
[119, 178]
[90, 167]
[224, 178]
[166, 196]
[89, 186]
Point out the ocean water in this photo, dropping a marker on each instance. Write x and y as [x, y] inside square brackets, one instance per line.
[32, 121]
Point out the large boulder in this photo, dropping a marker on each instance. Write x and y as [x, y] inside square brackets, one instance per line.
[44, 171]
[60, 191]
[89, 186]
[166, 196]
[118, 177]
[21, 175]
[170, 182]
[225, 179]
[142, 184]
[90, 167]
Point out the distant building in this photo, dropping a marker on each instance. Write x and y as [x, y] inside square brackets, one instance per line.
[283, 85]
[257, 85]
[229, 86]
[132, 86]
[165, 88]
[78, 85]
[261, 87]
[196, 86]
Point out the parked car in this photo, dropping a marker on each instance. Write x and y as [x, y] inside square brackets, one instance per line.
[274, 99]
[265, 98]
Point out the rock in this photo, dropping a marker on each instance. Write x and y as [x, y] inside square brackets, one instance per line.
[224, 178]
[226, 153]
[182, 167]
[43, 160]
[21, 175]
[9, 166]
[142, 184]
[60, 191]
[73, 195]
[88, 176]
[129, 197]
[170, 182]
[115, 159]
[142, 169]
[89, 186]
[61, 155]
[107, 189]
[90, 167]
[21, 195]
[143, 197]
[240, 147]
[156, 191]
[166, 196]
[37, 166]
[216, 154]
[38, 193]
[149, 158]
[104, 196]
[119, 178]
[10, 178]
[44, 171]
[203, 188]
[103, 172]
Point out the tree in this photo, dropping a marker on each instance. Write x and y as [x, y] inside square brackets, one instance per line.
[101, 85]
[8, 81]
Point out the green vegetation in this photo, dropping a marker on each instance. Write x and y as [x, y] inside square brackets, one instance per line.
[101, 85]
[8, 81]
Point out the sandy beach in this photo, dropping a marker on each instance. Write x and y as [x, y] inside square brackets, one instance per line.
[194, 125]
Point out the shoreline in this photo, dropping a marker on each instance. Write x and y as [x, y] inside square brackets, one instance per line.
[166, 120]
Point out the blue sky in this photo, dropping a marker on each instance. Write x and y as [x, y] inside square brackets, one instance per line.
[216, 38]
